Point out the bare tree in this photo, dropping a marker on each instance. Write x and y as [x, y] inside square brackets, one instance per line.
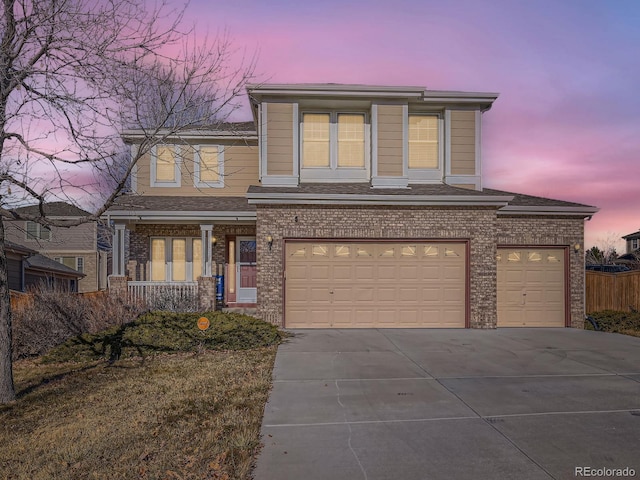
[76, 73]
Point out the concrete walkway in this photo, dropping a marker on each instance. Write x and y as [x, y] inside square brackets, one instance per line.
[452, 404]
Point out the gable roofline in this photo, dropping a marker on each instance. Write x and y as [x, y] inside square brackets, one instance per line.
[632, 236]
[52, 210]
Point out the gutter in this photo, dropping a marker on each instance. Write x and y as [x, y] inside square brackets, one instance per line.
[584, 211]
[351, 199]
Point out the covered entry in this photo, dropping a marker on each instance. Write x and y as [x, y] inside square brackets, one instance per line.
[531, 287]
[359, 284]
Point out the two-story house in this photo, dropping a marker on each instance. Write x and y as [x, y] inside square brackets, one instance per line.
[76, 247]
[351, 206]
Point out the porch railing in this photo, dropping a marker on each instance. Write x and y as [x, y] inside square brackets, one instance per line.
[174, 296]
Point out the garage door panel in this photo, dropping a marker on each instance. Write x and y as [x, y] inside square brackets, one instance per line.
[408, 294]
[363, 272]
[410, 284]
[318, 272]
[318, 295]
[453, 294]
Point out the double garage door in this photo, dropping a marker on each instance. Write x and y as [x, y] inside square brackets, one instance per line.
[414, 285]
[375, 285]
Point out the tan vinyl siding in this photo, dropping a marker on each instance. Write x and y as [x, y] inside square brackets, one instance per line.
[463, 142]
[90, 282]
[279, 138]
[468, 186]
[240, 171]
[390, 140]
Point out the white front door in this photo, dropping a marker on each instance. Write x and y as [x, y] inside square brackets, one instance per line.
[246, 270]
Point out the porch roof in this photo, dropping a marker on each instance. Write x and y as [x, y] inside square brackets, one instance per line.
[169, 208]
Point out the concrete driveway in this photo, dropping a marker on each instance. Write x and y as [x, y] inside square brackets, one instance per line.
[452, 404]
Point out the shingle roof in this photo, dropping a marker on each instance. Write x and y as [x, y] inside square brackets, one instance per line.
[53, 209]
[18, 248]
[40, 262]
[181, 204]
[366, 189]
[632, 236]
[520, 199]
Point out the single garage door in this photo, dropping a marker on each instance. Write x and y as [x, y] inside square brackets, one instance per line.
[531, 287]
[374, 285]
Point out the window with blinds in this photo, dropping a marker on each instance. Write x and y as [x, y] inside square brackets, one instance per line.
[165, 164]
[333, 140]
[423, 142]
[209, 166]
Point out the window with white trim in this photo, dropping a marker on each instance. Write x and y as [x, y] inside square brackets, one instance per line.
[334, 142]
[423, 142]
[635, 243]
[35, 231]
[175, 259]
[209, 166]
[77, 263]
[165, 166]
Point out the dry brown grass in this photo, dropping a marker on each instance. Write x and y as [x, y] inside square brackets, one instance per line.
[178, 416]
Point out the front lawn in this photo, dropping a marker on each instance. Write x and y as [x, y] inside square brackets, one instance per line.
[189, 408]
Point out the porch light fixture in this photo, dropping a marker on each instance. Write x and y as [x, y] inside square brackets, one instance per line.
[270, 241]
[214, 241]
[576, 248]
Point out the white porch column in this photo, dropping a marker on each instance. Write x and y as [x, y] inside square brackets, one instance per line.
[117, 260]
[206, 232]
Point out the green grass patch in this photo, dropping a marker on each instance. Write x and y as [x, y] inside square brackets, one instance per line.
[161, 332]
[627, 323]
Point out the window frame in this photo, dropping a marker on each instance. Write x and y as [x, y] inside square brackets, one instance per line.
[334, 171]
[196, 162]
[168, 259]
[38, 235]
[177, 163]
[635, 243]
[426, 175]
[79, 262]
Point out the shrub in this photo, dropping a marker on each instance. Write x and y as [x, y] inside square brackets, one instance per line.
[616, 322]
[169, 332]
[47, 317]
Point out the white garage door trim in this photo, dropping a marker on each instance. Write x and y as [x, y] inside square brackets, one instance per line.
[547, 312]
[451, 308]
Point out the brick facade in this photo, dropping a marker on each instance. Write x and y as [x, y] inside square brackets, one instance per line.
[477, 225]
[480, 226]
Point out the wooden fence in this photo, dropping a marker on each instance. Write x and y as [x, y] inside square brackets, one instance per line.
[612, 291]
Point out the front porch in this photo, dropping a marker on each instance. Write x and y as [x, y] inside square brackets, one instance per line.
[185, 260]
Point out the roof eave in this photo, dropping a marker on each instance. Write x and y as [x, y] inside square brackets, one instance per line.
[183, 215]
[582, 211]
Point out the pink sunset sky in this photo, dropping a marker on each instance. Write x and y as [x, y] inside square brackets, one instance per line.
[567, 122]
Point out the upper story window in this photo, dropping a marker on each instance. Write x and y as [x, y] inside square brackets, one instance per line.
[35, 231]
[165, 166]
[334, 144]
[209, 166]
[635, 243]
[423, 142]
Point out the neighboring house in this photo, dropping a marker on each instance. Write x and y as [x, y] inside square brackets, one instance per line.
[76, 247]
[350, 206]
[26, 269]
[632, 256]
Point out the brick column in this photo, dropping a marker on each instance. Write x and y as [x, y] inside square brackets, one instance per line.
[206, 293]
[118, 286]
